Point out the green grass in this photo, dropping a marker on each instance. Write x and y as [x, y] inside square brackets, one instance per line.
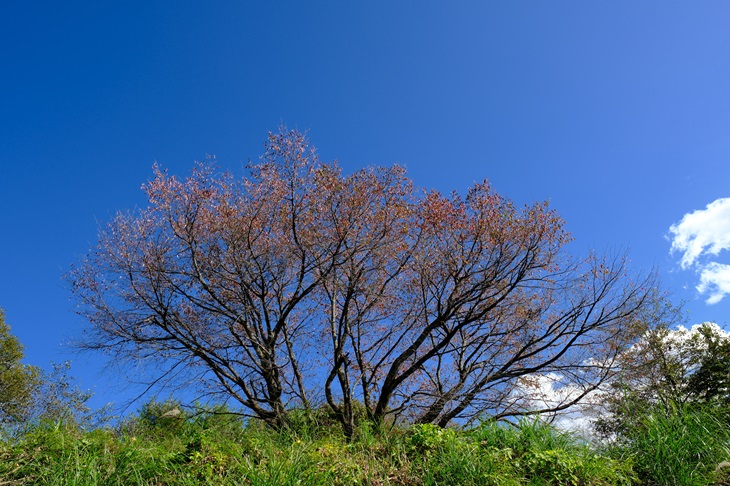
[220, 449]
[678, 445]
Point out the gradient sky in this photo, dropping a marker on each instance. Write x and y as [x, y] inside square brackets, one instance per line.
[617, 112]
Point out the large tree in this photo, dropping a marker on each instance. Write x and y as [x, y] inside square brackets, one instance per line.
[18, 381]
[299, 285]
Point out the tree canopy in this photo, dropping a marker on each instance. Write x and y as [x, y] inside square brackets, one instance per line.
[298, 286]
[18, 381]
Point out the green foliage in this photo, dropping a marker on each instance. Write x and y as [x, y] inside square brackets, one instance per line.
[544, 455]
[30, 396]
[18, 382]
[555, 466]
[216, 447]
[710, 382]
[668, 368]
[669, 414]
[309, 424]
[677, 445]
[429, 438]
[531, 453]
[165, 418]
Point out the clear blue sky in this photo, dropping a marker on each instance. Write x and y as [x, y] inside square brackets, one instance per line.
[617, 112]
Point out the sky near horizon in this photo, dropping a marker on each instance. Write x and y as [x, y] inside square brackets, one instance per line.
[618, 113]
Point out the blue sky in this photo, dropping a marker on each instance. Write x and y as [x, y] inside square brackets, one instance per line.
[617, 112]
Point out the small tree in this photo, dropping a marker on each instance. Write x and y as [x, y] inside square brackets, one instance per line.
[669, 369]
[710, 382]
[59, 400]
[18, 382]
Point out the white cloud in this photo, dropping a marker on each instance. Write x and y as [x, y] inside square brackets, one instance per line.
[700, 234]
[715, 279]
[542, 391]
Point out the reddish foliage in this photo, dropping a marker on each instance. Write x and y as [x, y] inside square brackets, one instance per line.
[300, 284]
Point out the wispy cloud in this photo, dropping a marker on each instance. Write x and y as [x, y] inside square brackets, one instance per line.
[702, 234]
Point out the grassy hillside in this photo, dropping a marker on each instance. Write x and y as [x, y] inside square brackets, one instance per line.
[164, 446]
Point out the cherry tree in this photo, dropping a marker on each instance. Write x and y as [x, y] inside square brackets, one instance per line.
[298, 286]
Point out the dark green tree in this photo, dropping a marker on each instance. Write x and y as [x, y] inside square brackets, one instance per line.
[710, 382]
[18, 381]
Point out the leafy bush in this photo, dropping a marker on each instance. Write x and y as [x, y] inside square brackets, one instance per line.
[429, 438]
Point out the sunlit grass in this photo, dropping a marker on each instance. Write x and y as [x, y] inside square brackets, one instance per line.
[220, 449]
[678, 445]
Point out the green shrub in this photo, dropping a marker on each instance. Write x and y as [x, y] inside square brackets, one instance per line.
[429, 438]
[162, 418]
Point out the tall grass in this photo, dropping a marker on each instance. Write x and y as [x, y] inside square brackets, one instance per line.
[544, 455]
[156, 448]
[678, 445]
